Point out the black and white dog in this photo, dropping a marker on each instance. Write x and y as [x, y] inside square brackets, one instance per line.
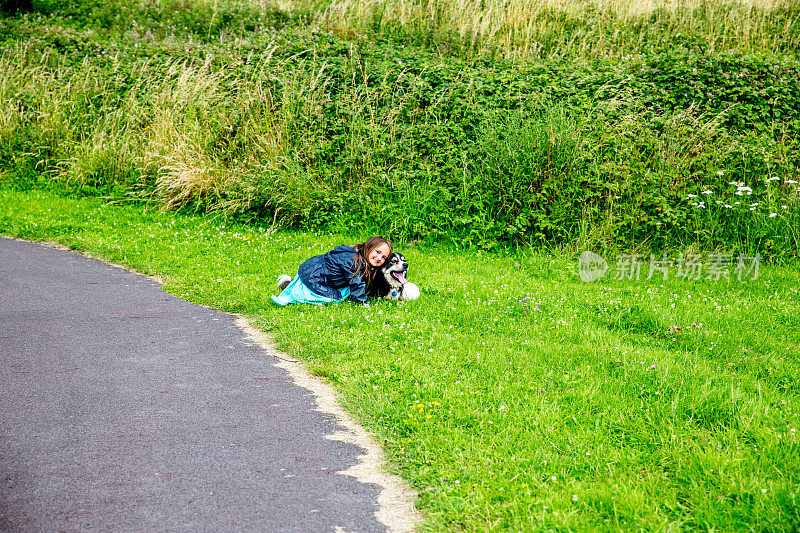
[390, 278]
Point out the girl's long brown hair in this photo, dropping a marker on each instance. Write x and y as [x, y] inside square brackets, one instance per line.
[361, 259]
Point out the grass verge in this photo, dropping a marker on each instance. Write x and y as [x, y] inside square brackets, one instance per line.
[512, 395]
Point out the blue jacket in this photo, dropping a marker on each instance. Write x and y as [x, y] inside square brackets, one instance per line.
[327, 273]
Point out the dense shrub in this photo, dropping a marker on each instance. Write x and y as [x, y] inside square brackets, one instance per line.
[311, 129]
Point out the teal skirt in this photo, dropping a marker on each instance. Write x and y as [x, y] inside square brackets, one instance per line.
[297, 293]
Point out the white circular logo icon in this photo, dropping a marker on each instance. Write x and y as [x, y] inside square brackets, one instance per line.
[591, 267]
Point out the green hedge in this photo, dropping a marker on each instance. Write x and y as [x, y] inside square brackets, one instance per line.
[402, 140]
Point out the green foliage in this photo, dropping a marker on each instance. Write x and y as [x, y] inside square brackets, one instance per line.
[15, 6]
[573, 28]
[525, 175]
[159, 19]
[308, 129]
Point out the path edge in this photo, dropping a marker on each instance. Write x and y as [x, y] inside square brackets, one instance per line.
[396, 509]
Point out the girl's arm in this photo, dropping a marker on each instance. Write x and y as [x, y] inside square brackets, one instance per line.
[358, 289]
[359, 293]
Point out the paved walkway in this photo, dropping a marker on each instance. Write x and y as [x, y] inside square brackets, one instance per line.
[123, 408]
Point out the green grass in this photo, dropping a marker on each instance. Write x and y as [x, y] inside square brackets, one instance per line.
[577, 28]
[581, 408]
[511, 395]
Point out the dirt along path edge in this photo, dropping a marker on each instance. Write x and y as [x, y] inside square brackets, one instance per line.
[396, 507]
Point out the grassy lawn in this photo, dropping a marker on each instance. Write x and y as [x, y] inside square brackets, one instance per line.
[511, 394]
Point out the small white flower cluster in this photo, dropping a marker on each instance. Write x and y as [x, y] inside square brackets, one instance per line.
[777, 178]
[741, 188]
[701, 204]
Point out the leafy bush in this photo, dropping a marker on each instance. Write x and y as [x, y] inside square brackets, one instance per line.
[312, 130]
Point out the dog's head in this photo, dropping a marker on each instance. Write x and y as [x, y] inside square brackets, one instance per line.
[395, 269]
[389, 278]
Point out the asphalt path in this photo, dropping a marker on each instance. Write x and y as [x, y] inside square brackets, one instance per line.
[123, 408]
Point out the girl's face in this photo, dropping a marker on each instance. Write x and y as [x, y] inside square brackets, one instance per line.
[378, 255]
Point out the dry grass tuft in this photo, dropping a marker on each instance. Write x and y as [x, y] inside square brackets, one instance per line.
[535, 28]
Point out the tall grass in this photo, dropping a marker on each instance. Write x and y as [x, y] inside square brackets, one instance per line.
[300, 140]
[305, 129]
[574, 28]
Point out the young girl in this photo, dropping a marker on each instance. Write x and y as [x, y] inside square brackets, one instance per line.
[333, 276]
